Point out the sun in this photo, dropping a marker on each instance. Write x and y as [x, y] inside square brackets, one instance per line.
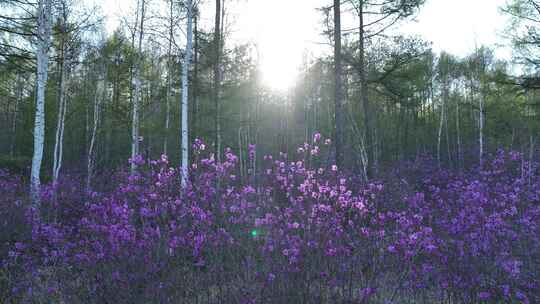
[281, 54]
[280, 43]
[279, 69]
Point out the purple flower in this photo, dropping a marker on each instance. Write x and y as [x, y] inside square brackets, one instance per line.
[316, 137]
[484, 295]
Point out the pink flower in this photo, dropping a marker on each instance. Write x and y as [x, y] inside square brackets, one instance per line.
[316, 137]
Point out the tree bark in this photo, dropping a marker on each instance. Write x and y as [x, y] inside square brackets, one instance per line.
[441, 123]
[338, 89]
[185, 95]
[217, 78]
[44, 40]
[62, 104]
[100, 94]
[364, 93]
[169, 81]
[195, 78]
[135, 137]
[15, 116]
[481, 128]
[458, 137]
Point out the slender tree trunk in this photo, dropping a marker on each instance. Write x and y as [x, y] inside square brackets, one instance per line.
[458, 136]
[441, 123]
[217, 77]
[257, 119]
[98, 97]
[86, 128]
[44, 40]
[406, 132]
[240, 153]
[59, 143]
[531, 156]
[364, 93]
[135, 137]
[195, 78]
[62, 105]
[15, 116]
[481, 128]
[449, 155]
[185, 95]
[169, 81]
[338, 89]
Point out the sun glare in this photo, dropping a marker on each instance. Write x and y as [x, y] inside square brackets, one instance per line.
[279, 70]
[282, 37]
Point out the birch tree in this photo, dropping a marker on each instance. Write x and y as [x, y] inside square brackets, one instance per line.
[217, 75]
[374, 18]
[44, 27]
[98, 97]
[338, 90]
[62, 103]
[446, 62]
[458, 136]
[195, 77]
[135, 137]
[185, 95]
[169, 78]
[480, 62]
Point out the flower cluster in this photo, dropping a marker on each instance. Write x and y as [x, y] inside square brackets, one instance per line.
[292, 231]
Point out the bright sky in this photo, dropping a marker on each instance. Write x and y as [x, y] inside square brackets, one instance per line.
[456, 26]
[285, 29]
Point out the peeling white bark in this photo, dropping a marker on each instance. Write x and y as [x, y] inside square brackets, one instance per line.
[42, 53]
[98, 97]
[184, 103]
[62, 106]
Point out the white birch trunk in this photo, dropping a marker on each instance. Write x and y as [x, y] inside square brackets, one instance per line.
[184, 103]
[169, 82]
[59, 142]
[135, 137]
[99, 95]
[441, 123]
[60, 123]
[42, 53]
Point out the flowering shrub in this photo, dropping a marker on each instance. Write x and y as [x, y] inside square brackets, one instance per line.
[295, 232]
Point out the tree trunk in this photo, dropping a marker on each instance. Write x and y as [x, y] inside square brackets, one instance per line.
[364, 93]
[458, 136]
[100, 94]
[531, 158]
[135, 137]
[185, 95]
[338, 89]
[217, 77]
[481, 129]
[449, 155]
[15, 116]
[195, 78]
[169, 82]
[62, 105]
[440, 134]
[44, 40]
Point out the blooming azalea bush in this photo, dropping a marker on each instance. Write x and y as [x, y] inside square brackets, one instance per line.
[298, 231]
